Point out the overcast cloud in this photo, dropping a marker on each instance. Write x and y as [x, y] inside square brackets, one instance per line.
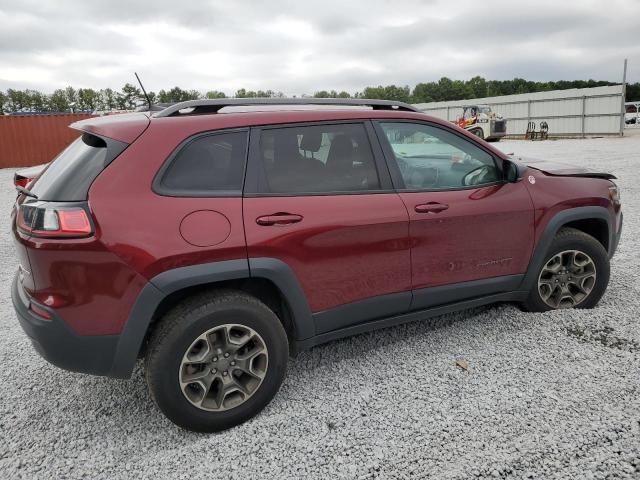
[303, 46]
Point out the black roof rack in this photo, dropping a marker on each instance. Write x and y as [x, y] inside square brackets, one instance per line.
[213, 106]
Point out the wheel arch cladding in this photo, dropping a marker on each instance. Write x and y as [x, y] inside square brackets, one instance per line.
[172, 281]
[571, 217]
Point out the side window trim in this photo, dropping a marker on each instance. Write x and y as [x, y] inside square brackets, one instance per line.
[255, 177]
[158, 188]
[396, 176]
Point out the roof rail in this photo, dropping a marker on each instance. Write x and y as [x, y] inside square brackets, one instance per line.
[213, 106]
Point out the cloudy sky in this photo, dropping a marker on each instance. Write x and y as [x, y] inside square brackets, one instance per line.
[306, 45]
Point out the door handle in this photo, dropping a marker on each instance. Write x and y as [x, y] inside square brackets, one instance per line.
[431, 207]
[278, 219]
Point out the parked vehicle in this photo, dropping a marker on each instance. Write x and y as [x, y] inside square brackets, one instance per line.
[213, 244]
[24, 176]
[483, 122]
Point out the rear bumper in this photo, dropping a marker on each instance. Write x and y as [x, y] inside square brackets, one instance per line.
[58, 344]
[616, 238]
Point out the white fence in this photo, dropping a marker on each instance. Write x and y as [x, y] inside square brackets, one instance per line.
[575, 112]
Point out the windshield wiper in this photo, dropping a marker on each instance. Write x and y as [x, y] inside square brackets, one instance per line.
[26, 192]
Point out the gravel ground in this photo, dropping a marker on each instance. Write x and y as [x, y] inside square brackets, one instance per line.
[545, 396]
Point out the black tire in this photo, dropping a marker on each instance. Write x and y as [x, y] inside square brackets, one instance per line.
[478, 133]
[178, 329]
[572, 239]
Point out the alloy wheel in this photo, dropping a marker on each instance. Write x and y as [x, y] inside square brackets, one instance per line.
[567, 279]
[223, 367]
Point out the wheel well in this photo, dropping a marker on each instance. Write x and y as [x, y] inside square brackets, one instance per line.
[264, 290]
[595, 227]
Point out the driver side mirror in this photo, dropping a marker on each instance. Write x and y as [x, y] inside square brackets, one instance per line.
[511, 171]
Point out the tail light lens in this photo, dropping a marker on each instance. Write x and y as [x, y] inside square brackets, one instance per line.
[51, 220]
[21, 181]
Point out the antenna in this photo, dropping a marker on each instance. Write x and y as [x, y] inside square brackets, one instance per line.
[143, 90]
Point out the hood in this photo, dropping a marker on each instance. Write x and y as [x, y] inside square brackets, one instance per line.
[562, 169]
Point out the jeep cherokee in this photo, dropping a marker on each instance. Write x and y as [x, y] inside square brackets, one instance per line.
[216, 237]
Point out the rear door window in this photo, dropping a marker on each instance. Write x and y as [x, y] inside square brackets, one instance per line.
[317, 159]
[208, 165]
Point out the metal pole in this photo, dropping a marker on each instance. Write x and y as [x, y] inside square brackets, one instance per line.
[584, 103]
[624, 91]
[448, 119]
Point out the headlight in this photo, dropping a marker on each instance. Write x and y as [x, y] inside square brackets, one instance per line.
[614, 193]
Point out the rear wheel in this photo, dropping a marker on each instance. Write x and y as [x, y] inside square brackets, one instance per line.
[575, 273]
[478, 133]
[216, 360]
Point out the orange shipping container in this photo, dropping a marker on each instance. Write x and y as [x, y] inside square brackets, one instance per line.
[27, 140]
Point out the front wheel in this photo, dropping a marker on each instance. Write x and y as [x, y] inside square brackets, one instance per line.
[478, 133]
[216, 360]
[575, 273]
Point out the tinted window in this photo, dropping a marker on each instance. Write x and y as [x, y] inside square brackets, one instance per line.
[431, 158]
[211, 163]
[317, 159]
[69, 176]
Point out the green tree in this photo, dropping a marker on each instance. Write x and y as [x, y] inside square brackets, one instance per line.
[18, 101]
[129, 97]
[72, 99]
[212, 94]
[88, 99]
[176, 94]
[478, 87]
[108, 99]
[390, 92]
[58, 101]
[37, 102]
[3, 100]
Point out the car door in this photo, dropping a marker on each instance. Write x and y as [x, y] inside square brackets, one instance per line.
[318, 197]
[471, 232]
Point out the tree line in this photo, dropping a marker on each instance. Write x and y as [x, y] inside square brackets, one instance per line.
[130, 96]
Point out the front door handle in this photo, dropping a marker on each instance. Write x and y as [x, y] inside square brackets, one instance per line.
[431, 207]
[278, 219]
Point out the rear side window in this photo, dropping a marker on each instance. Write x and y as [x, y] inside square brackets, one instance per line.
[317, 159]
[69, 176]
[211, 164]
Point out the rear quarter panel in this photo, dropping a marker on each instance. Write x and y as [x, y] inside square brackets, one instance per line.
[142, 227]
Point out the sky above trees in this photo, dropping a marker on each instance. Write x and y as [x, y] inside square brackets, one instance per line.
[301, 47]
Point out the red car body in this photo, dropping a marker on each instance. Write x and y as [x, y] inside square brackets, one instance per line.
[341, 263]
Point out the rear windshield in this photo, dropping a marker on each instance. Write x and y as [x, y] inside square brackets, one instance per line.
[69, 176]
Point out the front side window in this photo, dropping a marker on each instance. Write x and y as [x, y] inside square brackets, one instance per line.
[318, 159]
[207, 164]
[431, 158]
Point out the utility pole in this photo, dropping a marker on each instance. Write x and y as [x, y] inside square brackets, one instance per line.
[624, 91]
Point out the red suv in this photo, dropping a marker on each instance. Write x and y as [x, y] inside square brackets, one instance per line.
[216, 237]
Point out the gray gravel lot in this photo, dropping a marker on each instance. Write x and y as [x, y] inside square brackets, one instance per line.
[546, 396]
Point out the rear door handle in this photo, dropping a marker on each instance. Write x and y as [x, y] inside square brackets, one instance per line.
[278, 219]
[431, 207]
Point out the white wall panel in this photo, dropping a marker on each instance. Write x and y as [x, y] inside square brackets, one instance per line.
[588, 111]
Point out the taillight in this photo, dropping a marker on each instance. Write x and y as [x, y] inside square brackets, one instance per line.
[21, 181]
[45, 219]
[38, 310]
